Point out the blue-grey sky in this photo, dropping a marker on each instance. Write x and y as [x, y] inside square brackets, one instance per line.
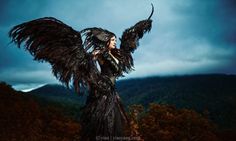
[188, 36]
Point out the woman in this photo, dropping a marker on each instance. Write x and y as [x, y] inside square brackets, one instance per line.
[103, 116]
[93, 64]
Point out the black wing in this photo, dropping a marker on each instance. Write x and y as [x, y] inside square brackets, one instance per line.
[50, 40]
[130, 38]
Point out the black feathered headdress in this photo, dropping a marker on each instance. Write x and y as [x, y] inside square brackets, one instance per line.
[96, 37]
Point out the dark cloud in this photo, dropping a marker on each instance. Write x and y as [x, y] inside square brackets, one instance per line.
[213, 20]
[17, 11]
[188, 36]
[228, 19]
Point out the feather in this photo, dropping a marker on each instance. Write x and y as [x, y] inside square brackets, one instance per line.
[130, 40]
[96, 37]
[50, 40]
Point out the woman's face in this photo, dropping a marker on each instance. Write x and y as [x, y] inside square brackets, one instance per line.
[112, 43]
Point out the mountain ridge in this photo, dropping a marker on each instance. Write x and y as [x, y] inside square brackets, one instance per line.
[213, 94]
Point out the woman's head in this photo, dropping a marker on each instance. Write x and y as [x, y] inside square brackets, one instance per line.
[111, 44]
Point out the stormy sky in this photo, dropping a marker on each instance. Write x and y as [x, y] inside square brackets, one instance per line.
[188, 36]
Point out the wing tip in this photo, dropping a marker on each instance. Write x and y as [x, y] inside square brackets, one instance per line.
[151, 12]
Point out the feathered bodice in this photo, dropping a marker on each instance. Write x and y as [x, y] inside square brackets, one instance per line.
[110, 66]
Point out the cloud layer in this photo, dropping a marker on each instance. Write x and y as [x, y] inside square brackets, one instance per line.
[188, 36]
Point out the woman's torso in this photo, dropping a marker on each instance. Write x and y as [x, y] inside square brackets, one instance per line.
[110, 66]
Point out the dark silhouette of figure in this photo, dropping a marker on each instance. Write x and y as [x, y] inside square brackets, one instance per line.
[93, 64]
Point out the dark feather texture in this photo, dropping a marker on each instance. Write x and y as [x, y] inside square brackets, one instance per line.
[130, 41]
[72, 60]
[48, 39]
[96, 38]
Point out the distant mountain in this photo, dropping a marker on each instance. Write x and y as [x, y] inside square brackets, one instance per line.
[52, 90]
[60, 97]
[213, 95]
[57, 93]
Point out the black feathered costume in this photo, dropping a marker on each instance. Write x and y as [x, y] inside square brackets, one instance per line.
[85, 64]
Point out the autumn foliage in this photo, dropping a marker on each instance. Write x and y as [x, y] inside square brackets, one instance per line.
[166, 123]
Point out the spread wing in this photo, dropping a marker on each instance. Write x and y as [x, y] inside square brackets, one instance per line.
[130, 40]
[50, 40]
